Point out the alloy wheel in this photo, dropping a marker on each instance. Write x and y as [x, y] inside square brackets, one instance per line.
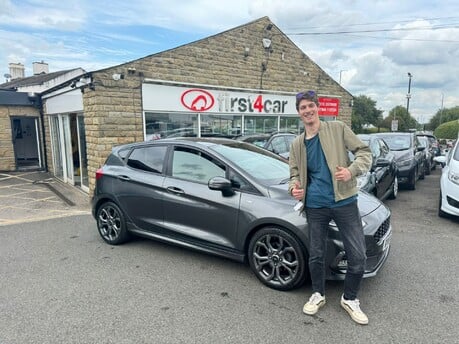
[277, 259]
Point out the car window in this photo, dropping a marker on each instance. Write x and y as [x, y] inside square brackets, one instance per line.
[423, 141]
[194, 165]
[375, 149]
[278, 145]
[398, 142]
[264, 168]
[150, 159]
[383, 146]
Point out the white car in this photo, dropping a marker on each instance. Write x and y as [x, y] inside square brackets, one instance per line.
[449, 183]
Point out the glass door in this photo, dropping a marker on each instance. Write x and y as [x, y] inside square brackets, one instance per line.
[56, 134]
[62, 148]
[83, 160]
[67, 144]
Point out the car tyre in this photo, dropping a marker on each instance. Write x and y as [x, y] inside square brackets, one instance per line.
[428, 168]
[277, 258]
[441, 213]
[423, 173]
[394, 193]
[111, 224]
[412, 181]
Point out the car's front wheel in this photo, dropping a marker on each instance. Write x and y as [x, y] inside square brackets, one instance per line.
[394, 192]
[277, 258]
[413, 180]
[111, 224]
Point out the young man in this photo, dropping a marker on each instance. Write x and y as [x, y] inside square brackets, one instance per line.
[322, 177]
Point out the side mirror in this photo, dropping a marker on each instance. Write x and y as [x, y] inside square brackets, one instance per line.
[221, 184]
[381, 162]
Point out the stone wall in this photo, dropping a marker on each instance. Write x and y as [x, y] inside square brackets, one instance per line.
[7, 159]
[113, 109]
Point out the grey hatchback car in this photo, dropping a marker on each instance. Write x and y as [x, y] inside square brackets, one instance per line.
[222, 197]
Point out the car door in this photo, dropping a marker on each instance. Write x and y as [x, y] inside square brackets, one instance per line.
[390, 170]
[138, 186]
[419, 155]
[379, 171]
[191, 210]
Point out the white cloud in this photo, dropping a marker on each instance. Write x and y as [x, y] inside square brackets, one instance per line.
[97, 34]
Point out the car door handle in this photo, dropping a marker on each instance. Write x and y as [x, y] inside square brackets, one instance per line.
[175, 190]
[125, 178]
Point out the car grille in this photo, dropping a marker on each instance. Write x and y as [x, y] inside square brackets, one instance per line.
[382, 230]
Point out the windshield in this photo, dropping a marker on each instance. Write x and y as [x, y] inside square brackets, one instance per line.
[398, 142]
[263, 166]
[424, 141]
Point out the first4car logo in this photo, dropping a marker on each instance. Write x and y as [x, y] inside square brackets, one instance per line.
[200, 100]
[197, 99]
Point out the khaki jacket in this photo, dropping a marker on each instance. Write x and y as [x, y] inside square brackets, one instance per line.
[336, 139]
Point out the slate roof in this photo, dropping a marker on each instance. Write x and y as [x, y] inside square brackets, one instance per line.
[33, 80]
[10, 97]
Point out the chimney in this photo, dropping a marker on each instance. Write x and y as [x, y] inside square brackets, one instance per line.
[17, 70]
[40, 68]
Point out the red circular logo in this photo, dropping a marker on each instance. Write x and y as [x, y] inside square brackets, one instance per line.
[196, 99]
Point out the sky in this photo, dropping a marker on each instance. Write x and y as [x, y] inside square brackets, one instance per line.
[369, 46]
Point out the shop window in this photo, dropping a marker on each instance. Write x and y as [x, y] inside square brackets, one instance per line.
[260, 124]
[221, 125]
[160, 125]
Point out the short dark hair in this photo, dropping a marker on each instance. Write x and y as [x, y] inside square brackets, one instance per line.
[308, 95]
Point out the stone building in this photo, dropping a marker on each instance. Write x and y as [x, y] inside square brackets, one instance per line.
[240, 81]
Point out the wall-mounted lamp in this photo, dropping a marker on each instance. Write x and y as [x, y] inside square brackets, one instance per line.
[246, 51]
[266, 43]
[351, 103]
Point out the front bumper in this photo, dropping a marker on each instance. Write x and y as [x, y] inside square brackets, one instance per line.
[377, 239]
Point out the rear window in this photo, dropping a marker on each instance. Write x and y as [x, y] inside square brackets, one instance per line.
[149, 159]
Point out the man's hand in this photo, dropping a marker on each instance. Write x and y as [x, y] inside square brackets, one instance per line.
[343, 173]
[298, 192]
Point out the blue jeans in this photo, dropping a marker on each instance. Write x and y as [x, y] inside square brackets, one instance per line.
[347, 218]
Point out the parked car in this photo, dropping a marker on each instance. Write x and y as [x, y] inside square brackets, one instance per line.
[409, 155]
[449, 183]
[381, 180]
[227, 198]
[278, 142]
[429, 161]
[434, 146]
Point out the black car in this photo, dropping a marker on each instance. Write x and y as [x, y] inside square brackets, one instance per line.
[381, 180]
[429, 161]
[432, 148]
[409, 154]
[278, 142]
[223, 197]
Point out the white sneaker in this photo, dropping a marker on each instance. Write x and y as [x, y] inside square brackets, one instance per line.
[315, 302]
[353, 308]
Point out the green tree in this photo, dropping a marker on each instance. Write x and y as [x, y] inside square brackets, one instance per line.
[448, 130]
[364, 113]
[443, 116]
[405, 121]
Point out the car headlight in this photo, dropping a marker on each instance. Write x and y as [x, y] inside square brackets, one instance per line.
[332, 223]
[405, 162]
[453, 177]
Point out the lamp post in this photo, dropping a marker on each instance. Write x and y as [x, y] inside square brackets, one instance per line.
[408, 95]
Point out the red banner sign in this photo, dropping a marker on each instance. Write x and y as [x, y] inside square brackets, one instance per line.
[328, 106]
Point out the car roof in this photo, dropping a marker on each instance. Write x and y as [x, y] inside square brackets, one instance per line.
[395, 133]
